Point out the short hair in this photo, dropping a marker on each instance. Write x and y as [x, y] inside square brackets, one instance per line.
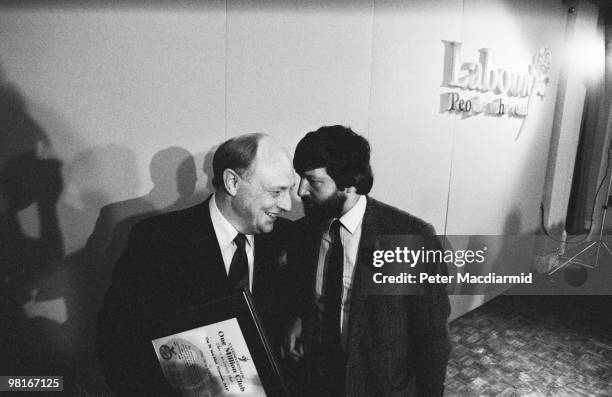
[344, 153]
[237, 154]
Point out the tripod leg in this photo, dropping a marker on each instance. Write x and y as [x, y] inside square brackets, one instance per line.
[571, 260]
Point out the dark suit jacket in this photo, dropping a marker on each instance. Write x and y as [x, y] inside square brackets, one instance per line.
[397, 345]
[173, 262]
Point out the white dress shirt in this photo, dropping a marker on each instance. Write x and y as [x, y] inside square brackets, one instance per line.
[226, 233]
[350, 234]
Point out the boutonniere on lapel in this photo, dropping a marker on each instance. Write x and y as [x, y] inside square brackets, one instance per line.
[281, 259]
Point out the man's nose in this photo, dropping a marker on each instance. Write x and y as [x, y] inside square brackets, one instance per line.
[303, 188]
[285, 201]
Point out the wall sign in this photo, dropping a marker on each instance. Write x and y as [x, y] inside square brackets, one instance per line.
[512, 90]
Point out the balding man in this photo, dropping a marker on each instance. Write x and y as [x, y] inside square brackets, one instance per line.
[234, 240]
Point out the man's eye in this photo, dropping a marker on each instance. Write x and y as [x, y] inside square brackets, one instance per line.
[275, 193]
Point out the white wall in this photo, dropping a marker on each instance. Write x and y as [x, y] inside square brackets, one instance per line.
[112, 86]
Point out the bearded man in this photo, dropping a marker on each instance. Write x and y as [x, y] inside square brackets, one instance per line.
[349, 341]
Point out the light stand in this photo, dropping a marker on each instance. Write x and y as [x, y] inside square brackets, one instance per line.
[597, 244]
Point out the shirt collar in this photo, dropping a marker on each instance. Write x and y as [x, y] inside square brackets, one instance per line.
[352, 219]
[225, 231]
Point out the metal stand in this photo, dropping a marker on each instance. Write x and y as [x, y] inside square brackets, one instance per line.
[597, 244]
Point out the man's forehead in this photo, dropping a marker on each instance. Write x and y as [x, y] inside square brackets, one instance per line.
[269, 150]
[320, 172]
[273, 166]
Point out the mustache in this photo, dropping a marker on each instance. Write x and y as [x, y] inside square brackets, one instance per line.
[309, 202]
[329, 208]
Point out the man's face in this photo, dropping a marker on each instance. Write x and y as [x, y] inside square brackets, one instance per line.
[320, 195]
[264, 191]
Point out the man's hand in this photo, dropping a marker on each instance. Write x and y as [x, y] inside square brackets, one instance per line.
[292, 344]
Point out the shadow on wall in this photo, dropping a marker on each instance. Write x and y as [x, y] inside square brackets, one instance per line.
[173, 174]
[33, 333]
[49, 300]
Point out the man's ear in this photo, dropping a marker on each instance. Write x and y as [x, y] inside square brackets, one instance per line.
[230, 181]
[350, 189]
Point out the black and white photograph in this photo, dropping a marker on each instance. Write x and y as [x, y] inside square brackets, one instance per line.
[412, 198]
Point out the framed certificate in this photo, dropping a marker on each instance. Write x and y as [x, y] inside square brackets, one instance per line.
[218, 349]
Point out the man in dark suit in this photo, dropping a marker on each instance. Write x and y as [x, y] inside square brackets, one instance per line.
[350, 340]
[234, 240]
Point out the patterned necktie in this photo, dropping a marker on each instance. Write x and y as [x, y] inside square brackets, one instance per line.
[239, 268]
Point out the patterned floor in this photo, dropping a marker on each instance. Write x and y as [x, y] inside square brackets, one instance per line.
[528, 346]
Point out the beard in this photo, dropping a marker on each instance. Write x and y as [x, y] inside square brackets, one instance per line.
[329, 208]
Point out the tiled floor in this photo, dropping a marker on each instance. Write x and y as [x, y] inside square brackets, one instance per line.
[531, 346]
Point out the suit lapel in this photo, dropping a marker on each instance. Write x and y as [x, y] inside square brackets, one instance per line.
[206, 262]
[313, 246]
[357, 313]
[261, 262]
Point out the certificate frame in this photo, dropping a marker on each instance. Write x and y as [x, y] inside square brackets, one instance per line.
[238, 306]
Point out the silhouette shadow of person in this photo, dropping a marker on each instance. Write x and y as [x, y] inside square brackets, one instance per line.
[173, 174]
[32, 302]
